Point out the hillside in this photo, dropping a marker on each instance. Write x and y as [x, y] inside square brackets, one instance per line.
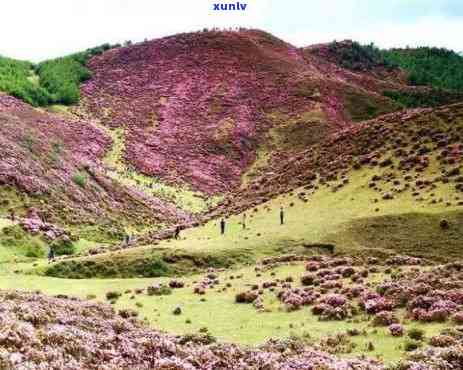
[199, 108]
[55, 164]
[183, 129]
[112, 150]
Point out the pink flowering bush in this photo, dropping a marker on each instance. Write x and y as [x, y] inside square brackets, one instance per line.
[384, 318]
[373, 303]
[333, 307]
[396, 330]
[81, 335]
[458, 317]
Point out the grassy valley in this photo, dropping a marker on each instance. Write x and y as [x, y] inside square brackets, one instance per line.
[123, 161]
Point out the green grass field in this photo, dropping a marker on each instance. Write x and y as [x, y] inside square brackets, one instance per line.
[225, 319]
[349, 218]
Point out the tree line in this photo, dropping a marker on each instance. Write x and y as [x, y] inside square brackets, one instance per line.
[54, 81]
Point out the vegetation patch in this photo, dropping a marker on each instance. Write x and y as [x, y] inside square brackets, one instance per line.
[437, 67]
[352, 55]
[415, 234]
[158, 263]
[424, 98]
[361, 106]
[15, 242]
[297, 132]
[80, 178]
[63, 246]
[55, 81]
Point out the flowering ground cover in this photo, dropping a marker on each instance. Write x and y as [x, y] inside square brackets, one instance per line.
[54, 163]
[369, 328]
[182, 131]
[205, 130]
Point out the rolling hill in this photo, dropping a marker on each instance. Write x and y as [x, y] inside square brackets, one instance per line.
[361, 152]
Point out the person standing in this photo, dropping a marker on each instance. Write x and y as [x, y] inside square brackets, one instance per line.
[51, 255]
[222, 226]
[282, 216]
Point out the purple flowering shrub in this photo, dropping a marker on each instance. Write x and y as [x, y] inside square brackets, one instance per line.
[39, 332]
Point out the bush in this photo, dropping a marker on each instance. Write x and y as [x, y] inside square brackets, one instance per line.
[63, 246]
[128, 313]
[411, 345]
[442, 341]
[157, 289]
[384, 318]
[80, 179]
[112, 295]
[416, 334]
[308, 279]
[357, 57]
[246, 297]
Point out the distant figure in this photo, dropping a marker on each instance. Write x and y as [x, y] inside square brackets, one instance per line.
[51, 255]
[12, 215]
[222, 226]
[177, 232]
[244, 221]
[127, 239]
[282, 216]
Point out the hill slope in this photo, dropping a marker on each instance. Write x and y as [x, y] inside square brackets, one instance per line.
[55, 164]
[244, 116]
[196, 108]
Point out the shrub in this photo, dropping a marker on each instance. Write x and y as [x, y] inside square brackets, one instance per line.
[458, 317]
[396, 330]
[416, 334]
[158, 289]
[442, 341]
[308, 279]
[246, 297]
[437, 67]
[428, 98]
[63, 246]
[411, 345]
[112, 295]
[177, 310]
[384, 318]
[50, 82]
[127, 313]
[176, 284]
[80, 179]
[357, 57]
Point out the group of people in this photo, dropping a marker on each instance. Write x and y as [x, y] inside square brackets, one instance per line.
[244, 219]
[223, 224]
[128, 238]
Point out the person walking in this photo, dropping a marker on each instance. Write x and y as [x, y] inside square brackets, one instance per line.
[282, 216]
[177, 232]
[222, 226]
